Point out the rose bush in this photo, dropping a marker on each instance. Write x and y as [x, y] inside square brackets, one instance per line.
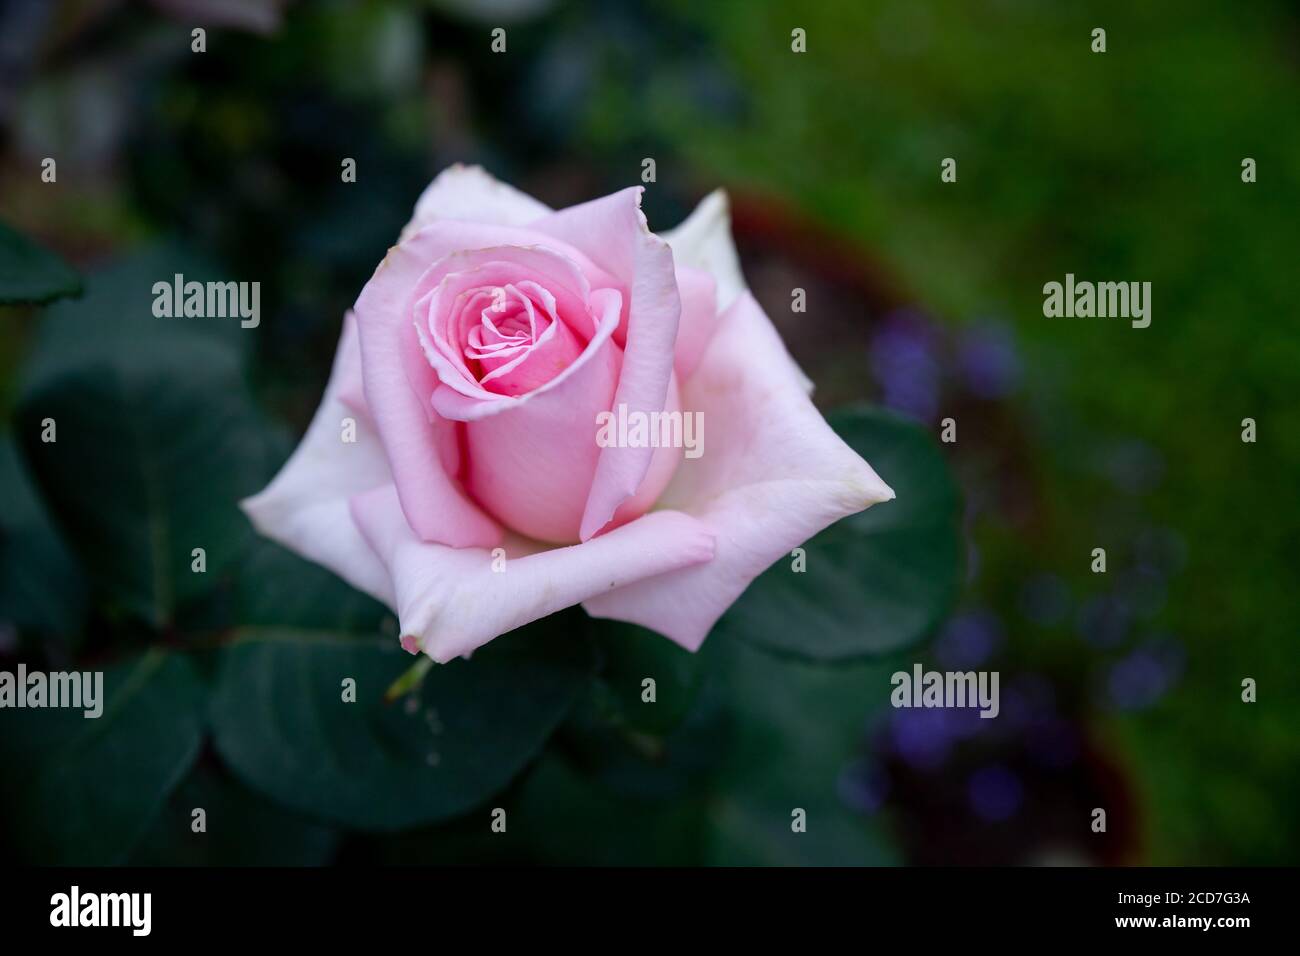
[471, 374]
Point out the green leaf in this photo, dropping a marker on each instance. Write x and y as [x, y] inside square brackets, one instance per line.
[639, 763]
[649, 749]
[30, 274]
[568, 819]
[467, 840]
[281, 722]
[277, 590]
[114, 321]
[630, 655]
[796, 727]
[156, 438]
[242, 829]
[83, 790]
[41, 587]
[876, 581]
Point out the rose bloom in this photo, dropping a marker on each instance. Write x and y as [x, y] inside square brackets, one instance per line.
[474, 370]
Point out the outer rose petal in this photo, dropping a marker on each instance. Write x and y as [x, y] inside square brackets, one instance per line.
[699, 318]
[345, 378]
[772, 475]
[450, 601]
[467, 192]
[614, 233]
[703, 241]
[305, 508]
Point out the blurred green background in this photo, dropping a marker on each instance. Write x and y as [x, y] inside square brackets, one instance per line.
[1120, 690]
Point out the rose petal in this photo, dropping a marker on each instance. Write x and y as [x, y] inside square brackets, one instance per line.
[470, 193]
[456, 405]
[531, 466]
[614, 233]
[395, 377]
[399, 380]
[699, 318]
[703, 241]
[347, 368]
[771, 476]
[450, 601]
[522, 369]
[442, 288]
[305, 508]
[663, 465]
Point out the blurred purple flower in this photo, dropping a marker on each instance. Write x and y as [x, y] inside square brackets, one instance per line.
[960, 723]
[1103, 620]
[995, 793]
[988, 361]
[1028, 700]
[903, 362]
[921, 737]
[1143, 589]
[1140, 679]
[968, 639]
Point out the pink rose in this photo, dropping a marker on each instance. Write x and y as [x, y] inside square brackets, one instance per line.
[464, 409]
